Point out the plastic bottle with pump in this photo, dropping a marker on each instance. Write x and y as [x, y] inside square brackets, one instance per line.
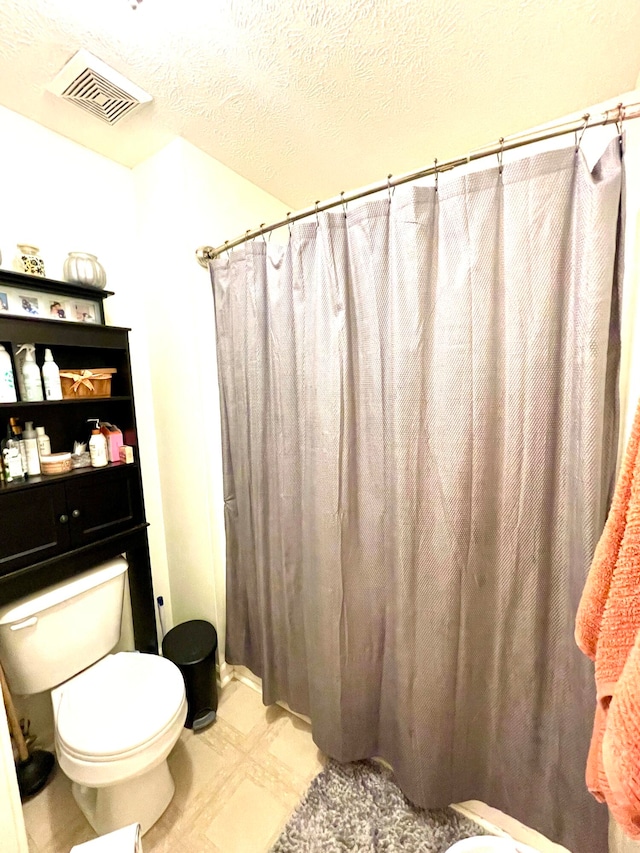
[51, 377]
[44, 442]
[16, 433]
[30, 439]
[31, 375]
[7, 384]
[11, 457]
[97, 446]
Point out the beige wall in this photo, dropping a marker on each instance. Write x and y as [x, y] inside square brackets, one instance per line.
[186, 199]
[12, 833]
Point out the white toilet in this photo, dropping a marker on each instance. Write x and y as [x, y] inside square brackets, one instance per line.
[117, 716]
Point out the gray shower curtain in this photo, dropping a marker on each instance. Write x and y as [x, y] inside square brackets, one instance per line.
[419, 418]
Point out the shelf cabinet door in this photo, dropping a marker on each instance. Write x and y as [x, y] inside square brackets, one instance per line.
[100, 506]
[34, 526]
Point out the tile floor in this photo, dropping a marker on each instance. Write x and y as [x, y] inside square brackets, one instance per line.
[236, 785]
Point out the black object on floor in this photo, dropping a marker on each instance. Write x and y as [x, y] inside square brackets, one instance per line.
[33, 772]
[192, 647]
[32, 768]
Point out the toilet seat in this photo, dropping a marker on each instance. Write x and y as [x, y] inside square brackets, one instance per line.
[118, 707]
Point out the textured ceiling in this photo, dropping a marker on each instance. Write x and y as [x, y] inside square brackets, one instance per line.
[307, 98]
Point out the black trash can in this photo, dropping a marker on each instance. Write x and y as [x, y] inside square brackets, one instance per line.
[192, 647]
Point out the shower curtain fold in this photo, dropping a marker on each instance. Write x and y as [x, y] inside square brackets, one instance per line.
[419, 409]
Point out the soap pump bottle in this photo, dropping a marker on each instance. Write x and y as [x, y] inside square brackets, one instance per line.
[7, 385]
[11, 457]
[31, 375]
[30, 439]
[97, 446]
[51, 377]
[16, 434]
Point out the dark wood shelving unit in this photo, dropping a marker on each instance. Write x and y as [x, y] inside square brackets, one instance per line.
[55, 526]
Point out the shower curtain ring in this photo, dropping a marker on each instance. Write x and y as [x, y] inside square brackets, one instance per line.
[317, 219]
[262, 224]
[620, 118]
[344, 204]
[500, 154]
[289, 223]
[389, 190]
[585, 119]
[435, 171]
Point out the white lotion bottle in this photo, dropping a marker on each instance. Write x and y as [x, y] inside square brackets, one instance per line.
[51, 377]
[30, 439]
[7, 384]
[98, 449]
[44, 442]
[31, 376]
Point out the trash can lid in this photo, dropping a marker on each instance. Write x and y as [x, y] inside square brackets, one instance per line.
[190, 643]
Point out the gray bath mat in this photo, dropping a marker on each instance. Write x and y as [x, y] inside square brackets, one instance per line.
[358, 807]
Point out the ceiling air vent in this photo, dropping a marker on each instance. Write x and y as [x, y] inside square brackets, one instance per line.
[93, 85]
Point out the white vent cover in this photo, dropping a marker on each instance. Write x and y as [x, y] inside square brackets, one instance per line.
[96, 87]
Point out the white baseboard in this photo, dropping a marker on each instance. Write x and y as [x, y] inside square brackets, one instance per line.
[224, 674]
[241, 673]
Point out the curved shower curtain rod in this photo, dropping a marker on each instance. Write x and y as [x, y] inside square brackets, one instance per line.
[622, 112]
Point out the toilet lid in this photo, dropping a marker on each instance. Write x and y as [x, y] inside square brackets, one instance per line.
[119, 704]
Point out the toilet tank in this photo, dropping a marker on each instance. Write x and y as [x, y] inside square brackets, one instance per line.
[50, 636]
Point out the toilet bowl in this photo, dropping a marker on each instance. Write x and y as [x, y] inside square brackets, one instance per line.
[489, 844]
[117, 716]
[115, 725]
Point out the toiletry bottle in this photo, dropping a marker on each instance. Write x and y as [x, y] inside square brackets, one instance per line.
[44, 442]
[51, 377]
[30, 439]
[16, 433]
[98, 448]
[31, 375]
[11, 457]
[7, 385]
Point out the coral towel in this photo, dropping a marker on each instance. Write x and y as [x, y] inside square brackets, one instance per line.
[607, 630]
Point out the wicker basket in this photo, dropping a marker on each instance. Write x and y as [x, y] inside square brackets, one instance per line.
[86, 382]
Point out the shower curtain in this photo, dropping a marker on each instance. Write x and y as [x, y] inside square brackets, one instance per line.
[419, 416]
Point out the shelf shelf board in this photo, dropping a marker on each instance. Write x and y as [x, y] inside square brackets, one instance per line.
[24, 404]
[43, 479]
[37, 282]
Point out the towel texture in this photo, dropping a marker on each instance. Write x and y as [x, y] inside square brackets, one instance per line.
[607, 626]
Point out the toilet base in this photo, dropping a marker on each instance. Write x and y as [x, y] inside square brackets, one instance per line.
[142, 800]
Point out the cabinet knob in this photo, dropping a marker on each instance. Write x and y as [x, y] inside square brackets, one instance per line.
[76, 513]
[64, 519]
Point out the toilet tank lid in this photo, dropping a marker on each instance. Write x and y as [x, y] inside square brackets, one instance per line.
[63, 591]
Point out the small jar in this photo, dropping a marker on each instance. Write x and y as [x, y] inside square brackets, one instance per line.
[28, 260]
[83, 268]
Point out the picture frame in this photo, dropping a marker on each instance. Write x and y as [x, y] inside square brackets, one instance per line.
[22, 295]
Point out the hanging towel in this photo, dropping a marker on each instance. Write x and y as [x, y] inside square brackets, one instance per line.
[607, 627]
